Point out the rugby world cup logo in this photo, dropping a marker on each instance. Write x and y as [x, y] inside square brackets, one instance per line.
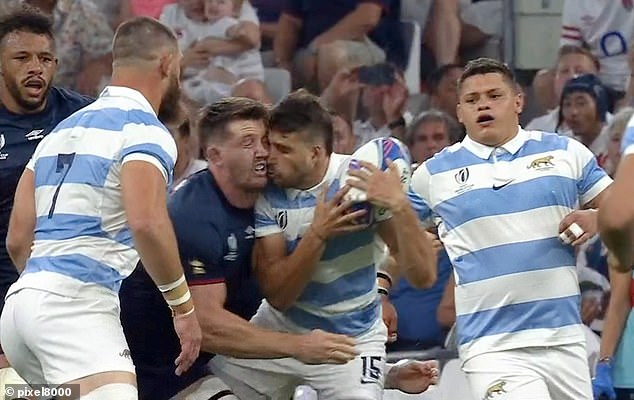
[462, 176]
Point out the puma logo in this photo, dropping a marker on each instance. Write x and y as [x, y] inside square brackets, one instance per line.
[125, 354]
[545, 161]
[495, 390]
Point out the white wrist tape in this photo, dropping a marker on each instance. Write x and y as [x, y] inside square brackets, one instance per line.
[572, 233]
[181, 300]
[171, 286]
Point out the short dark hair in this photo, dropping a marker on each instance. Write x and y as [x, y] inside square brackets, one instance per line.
[481, 66]
[454, 131]
[434, 78]
[301, 112]
[139, 38]
[573, 49]
[26, 19]
[213, 119]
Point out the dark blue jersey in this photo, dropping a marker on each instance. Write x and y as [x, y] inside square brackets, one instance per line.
[19, 136]
[215, 240]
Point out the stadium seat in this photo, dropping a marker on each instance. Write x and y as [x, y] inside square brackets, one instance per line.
[277, 82]
[411, 33]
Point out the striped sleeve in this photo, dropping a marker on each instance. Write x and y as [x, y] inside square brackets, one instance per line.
[570, 22]
[627, 144]
[591, 179]
[145, 139]
[265, 222]
[419, 195]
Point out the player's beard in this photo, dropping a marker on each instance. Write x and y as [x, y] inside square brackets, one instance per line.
[169, 110]
[28, 104]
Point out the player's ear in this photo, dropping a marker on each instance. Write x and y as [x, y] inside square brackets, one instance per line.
[165, 64]
[459, 113]
[212, 154]
[519, 99]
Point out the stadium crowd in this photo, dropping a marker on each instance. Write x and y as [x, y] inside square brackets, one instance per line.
[171, 200]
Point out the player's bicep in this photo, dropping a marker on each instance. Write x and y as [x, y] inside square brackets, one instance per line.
[143, 191]
[22, 221]
[268, 251]
[208, 299]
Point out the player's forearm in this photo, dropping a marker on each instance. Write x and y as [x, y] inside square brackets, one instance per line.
[416, 257]
[222, 327]
[614, 322]
[286, 279]
[19, 255]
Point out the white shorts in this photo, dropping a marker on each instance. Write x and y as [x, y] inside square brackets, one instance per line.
[53, 339]
[361, 378]
[533, 373]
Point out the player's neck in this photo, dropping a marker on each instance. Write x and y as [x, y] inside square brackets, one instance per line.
[236, 196]
[137, 80]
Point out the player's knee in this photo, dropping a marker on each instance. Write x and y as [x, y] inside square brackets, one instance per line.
[119, 391]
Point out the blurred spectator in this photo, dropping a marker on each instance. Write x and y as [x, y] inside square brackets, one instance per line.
[111, 9]
[223, 73]
[606, 27]
[614, 374]
[572, 61]
[584, 106]
[83, 38]
[431, 131]
[385, 108]
[418, 328]
[269, 12]
[616, 129]
[443, 88]
[186, 162]
[137, 8]
[317, 38]
[481, 31]
[236, 67]
[343, 140]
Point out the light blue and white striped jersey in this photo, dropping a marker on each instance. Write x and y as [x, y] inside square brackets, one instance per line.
[341, 296]
[82, 240]
[627, 143]
[498, 213]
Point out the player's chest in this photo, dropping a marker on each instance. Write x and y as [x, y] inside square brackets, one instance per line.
[237, 243]
[528, 182]
[17, 144]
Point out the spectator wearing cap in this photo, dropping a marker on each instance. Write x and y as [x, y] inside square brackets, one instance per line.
[584, 109]
[572, 61]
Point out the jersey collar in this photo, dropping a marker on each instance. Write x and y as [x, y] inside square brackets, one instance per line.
[483, 151]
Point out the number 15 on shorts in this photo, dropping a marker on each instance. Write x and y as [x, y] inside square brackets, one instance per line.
[372, 368]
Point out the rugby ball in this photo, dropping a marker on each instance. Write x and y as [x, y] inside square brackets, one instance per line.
[378, 152]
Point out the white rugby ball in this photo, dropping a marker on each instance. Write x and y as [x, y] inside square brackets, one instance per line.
[378, 152]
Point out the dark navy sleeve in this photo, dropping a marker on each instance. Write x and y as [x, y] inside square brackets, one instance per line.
[200, 248]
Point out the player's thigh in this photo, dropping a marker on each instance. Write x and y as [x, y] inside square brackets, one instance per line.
[505, 375]
[18, 321]
[362, 378]
[80, 337]
[252, 379]
[567, 371]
